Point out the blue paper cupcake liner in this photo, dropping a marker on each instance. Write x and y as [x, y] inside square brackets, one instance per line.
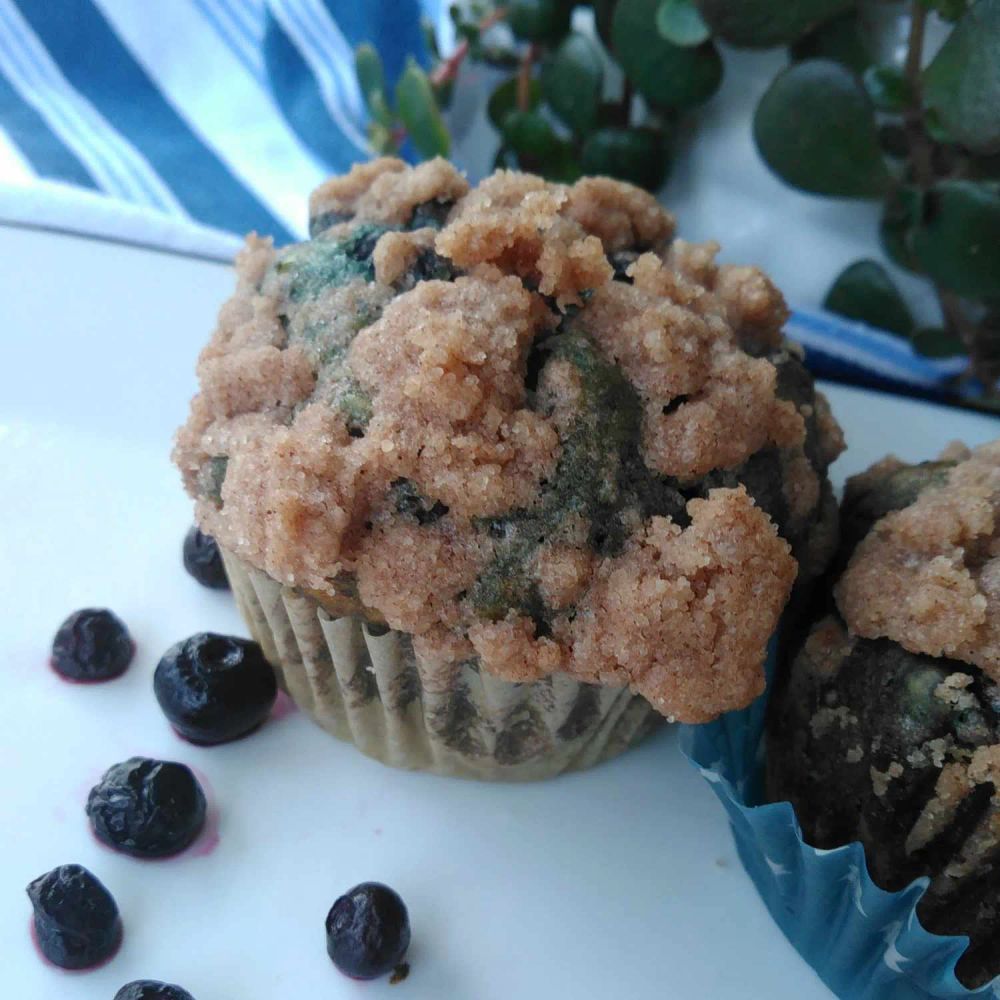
[865, 943]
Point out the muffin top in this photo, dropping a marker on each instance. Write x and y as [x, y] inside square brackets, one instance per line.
[927, 575]
[521, 422]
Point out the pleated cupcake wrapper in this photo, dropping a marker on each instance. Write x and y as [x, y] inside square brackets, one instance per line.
[865, 943]
[371, 689]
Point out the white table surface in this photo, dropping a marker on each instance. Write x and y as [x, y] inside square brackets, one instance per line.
[619, 882]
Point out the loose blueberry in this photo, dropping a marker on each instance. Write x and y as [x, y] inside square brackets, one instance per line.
[150, 989]
[76, 920]
[367, 931]
[92, 645]
[214, 688]
[147, 808]
[203, 560]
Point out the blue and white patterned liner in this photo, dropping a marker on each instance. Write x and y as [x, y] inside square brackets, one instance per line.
[865, 943]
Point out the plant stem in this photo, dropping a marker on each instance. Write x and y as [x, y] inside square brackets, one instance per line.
[913, 118]
[953, 311]
[625, 104]
[448, 68]
[524, 78]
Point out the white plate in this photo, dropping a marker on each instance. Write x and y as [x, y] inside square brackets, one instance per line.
[620, 882]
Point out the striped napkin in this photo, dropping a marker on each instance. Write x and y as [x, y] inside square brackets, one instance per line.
[182, 124]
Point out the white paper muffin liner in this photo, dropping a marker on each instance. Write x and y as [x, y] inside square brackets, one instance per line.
[365, 684]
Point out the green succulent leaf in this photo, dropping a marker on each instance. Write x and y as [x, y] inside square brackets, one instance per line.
[957, 241]
[419, 112]
[371, 80]
[841, 39]
[531, 143]
[637, 155]
[562, 165]
[815, 128]
[666, 75]
[368, 66]
[962, 83]
[888, 88]
[380, 110]
[948, 10]
[572, 82]
[935, 342]
[381, 139]
[531, 135]
[761, 24]
[503, 100]
[900, 218]
[864, 291]
[936, 128]
[540, 20]
[680, 23]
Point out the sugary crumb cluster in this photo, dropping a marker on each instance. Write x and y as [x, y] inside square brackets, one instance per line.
[928, 576]
[523, 423]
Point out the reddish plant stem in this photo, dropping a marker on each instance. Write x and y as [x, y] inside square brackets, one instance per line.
[524, 78]
[913, 119]
[448, 68]
[625, 104]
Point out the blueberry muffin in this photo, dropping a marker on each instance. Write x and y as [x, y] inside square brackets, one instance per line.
[888, 731]
[503, 475]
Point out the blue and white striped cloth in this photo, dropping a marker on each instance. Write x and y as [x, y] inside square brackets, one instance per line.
[199, 118]
[184, 123]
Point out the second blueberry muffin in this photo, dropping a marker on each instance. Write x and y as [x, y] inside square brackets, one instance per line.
[503, 475]
[888, 731]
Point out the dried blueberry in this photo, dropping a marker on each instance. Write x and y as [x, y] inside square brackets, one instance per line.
[409, 501]
[203, 560]
[621, 261]
[429, 266]
[150, 989]
[367, 931]
[214, 688]
[92, 645]
[431, 214]
[147, 808]
[76, 920]
[318, 223]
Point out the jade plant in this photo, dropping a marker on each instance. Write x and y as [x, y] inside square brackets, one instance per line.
[918, 132]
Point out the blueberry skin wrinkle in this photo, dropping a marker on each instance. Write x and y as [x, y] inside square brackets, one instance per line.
[92, 644]
[147, 808]
[367, 931]
[151, 989]
[76, 920]
[214, 688]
